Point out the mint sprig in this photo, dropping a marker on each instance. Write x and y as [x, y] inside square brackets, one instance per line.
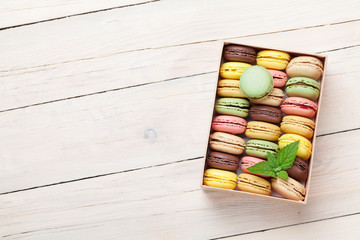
[276, 166]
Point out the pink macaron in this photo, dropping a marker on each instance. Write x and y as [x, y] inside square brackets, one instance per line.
[248, 161]
[229, 124]
[280, 78]
[299, 106]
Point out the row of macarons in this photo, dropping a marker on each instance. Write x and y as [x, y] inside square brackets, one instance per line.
[243, 56]
[289, 188]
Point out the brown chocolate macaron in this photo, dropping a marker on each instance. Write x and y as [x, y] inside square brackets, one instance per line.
[299, 169]
[239, 53]
[223, 161]
[266, 114]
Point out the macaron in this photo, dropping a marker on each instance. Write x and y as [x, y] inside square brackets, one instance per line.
[260, 148]
[239, 53]
[303, 87]
[253, 184]
[226, 142]
[298, 125]
[229, 88]
[220, 178]
[232, 106]
[299, 106]
[279, 77]
[290, 188]
[305, 147]
[275, 98]
[262, 130]
[305, 66]
[233, 70]
[265, 113]
[299, 170]
[277, 60]
[248, 161]
[256, 82]
[223, 161]
[229, 124]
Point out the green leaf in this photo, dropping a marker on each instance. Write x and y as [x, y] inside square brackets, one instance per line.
[286, 156]
[284, 175]
[273, 162]
[262, 168]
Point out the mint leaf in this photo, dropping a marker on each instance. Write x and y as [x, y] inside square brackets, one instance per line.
[262, 168]
[286, 155]
[273, 162]
[284, 175]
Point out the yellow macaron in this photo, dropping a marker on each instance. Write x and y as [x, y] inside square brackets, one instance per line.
[298, 125]
[254, 184]
[230, 88]
[273, 59]
[233, 70]
[220, 178]
[305, 147]
[262, 130]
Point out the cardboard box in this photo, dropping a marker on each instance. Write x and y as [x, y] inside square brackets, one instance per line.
[313, 141]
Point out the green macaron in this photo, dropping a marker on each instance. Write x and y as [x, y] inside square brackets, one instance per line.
[302, 87]
[232, 106]
[256, 82]
[260, 148]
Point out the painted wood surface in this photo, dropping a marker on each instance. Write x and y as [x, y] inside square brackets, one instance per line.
[102, 115]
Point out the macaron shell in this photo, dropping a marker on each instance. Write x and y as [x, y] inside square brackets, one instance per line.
[233, 70]
[303, 87]
[262, 130]
[280, 78]
[229, 124]
[220, 178]
[239, 53]
[299, 170]
[290, 188]
[260, 148]
[253, 184]
[277, 60]
[274, 99]
[298, 125]
[229, 88]
[299, 106]
[305, 147]
[265, 113]
[256, 82]
[223, 161]
[228, 143]
[305, 66]
[248, 161]
[233, 106]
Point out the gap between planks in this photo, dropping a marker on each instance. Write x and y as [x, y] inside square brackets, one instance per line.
[137, 169]
[77, 14]
[286, 226]
[143, 84]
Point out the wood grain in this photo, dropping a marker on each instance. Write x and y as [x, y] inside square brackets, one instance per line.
[23, 12]
[337, 228]
[149, 203]
[37, 84]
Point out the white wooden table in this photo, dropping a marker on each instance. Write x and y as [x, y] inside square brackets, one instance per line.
[102, 111]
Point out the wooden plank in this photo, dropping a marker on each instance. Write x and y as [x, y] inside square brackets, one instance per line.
[338, 228]
[32, 85]
[166, 202]
[111, 132]
[165, 23]
[96, 132]
[14, 13]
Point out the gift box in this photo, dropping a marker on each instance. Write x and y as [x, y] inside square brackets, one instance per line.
[235, 67]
